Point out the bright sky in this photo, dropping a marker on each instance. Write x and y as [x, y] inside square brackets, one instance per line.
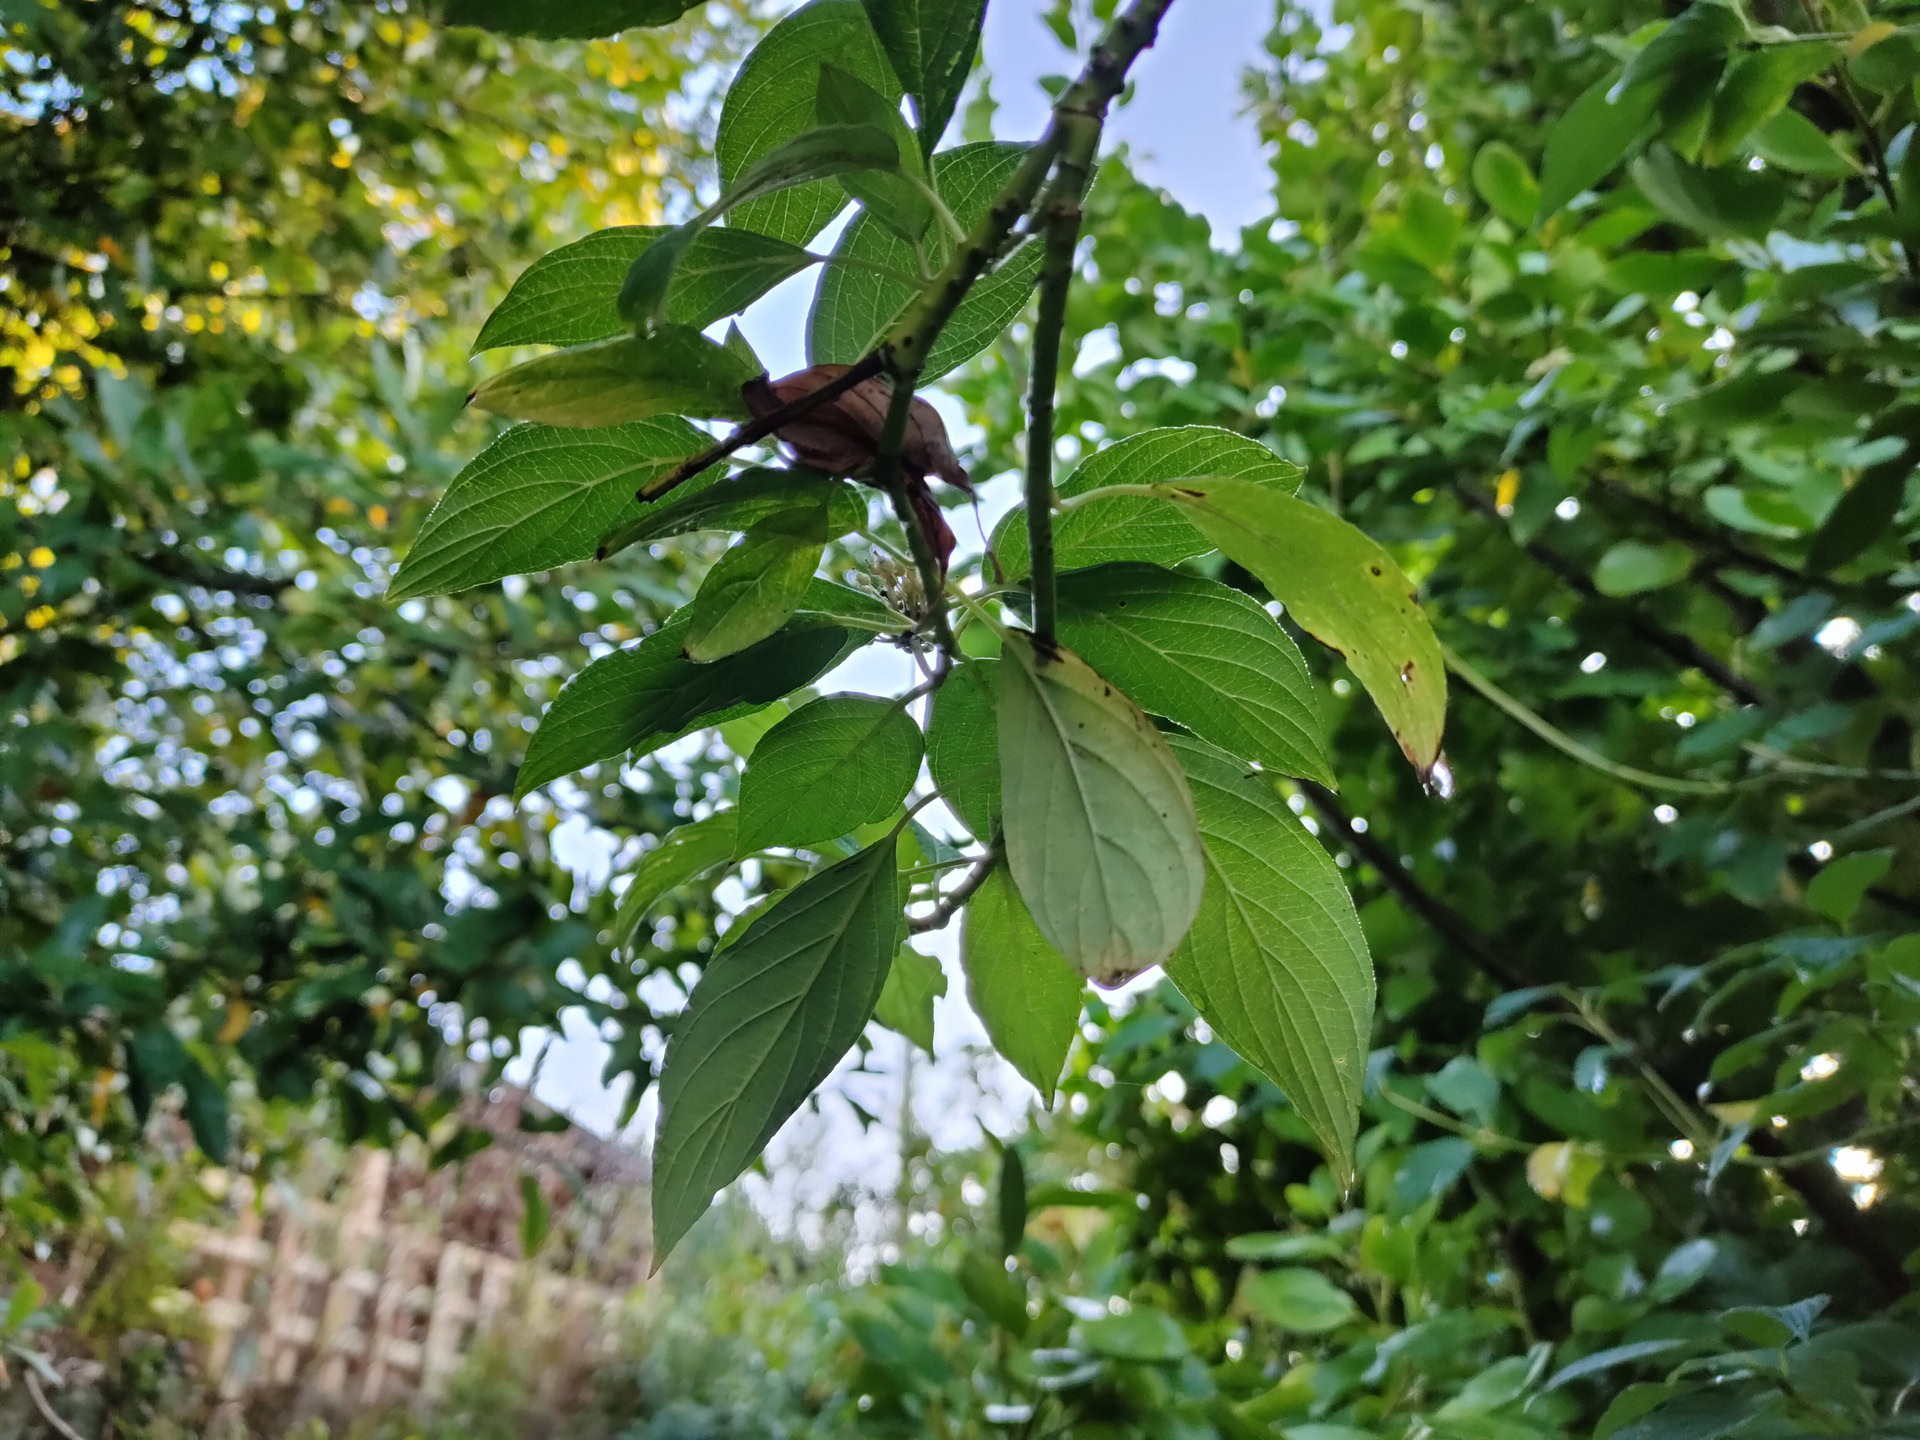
[1184, 131]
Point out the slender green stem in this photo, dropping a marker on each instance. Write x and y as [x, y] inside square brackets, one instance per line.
[1056, 280]
[1571, 747]
[954, 900]
[1106, 492]
[955, 231]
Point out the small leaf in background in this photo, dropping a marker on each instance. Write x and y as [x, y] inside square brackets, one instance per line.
[769, 1018]
[1594, 136]
[1428, 1172]
[26, 1297]
[1562, 1170]
[963, 746]
[1704, 28]
[687, 852]
[1275, 961]
[1866, 513]
[828, 768]
[1138, 527]
[931, 44]
[889, 195]
[1025, 994]
[575, 20]
[1772, 1326]
[1100, 830]
[207, 1111]
[824, 151]
[535, 1216]
[1467, 1088]
[914, 982]
[1754, 88]
[1836, 892]
[463, 1144]
[571, 295]
[1611, 1359]
[1341, 588]
[988, 1285]
[155, 1060]
[537, 497]
[1013, 1200]
[1633, 568]
[1505, 181]
[1141, 1335]
[1201, 654]
[645, 696]
[674, 371]
[1429, 227]
[1300, 1301]
[755, 587]
[1731, 200]
[771, 100]
[1267, 1245]
[1685, 1267]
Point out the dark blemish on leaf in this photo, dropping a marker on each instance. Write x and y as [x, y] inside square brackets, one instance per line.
[470, 395]
[1376, 571]
[1406, 673]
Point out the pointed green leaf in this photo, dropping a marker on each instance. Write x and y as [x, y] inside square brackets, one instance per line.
[827, 603]
[736, 503]
[1707, 27]
[1275, 961]
[1341, 588]
[1138, 527]
[963, 746]
[641, 698]
[576, 20]
[674, 371]
[1100, 830]
[931, 44]
[827, 769]
[891, 197]
[1731, 200]
[207, 1111]
[537, 497]
[771, 1016]
[755, 587]
[535, 1215]
[1836, 892]
[906, 1000]
[1632, 568]
[825, 150]
[1302, 1301]
[1203, 656]
[1025, 994]
[1506, 183]
[1793, 142]
[687, 851]
[856, 305]
[1595, 134]
[571, 295]
[772, 100]
[1754, 88]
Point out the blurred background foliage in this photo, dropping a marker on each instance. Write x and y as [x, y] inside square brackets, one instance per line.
[1639, 1149]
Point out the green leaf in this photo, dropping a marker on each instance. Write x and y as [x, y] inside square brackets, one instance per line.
[1137, 527]
[1025, 994]
[576, 20]
[687, 851]
[1013, 1201]
[1705, 28]
[963, 747]
[1754, 88]
[931, 44]
[771, 1016]
[1732, 200]
[737, 503]
[1775, 1325]
[644, 697]
[828, 603]
[1593, 136]
[1272, 1245]
[988, 1285]
[1506, 183]
[825, 150]
[1500, 1384]
[1633, 568]
[755, 587]
[27, 1296]
[1793, 142]
[1100, 829]
[828, 768]
[1836, 892]
[1275, 962]
[1341, 588]
[772, 100]
[155, 1060]
[206, 1110]
[1301, 1301]
[856, 305]
[1202, 655]
[535, 1216]
[462, 1145]
[1140, 1335]
[674, 371]
[537, 497]
[914, 982]
[1863, 515]
[1611, 1359]
[890, 197]
[1685, 1267]
[1428, 1172]
[1429, 228]
[571, 295]
[1467, 1088]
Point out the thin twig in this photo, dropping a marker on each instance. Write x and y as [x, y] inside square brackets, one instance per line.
[759, 429]
[60, 1427]
[952, 902]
